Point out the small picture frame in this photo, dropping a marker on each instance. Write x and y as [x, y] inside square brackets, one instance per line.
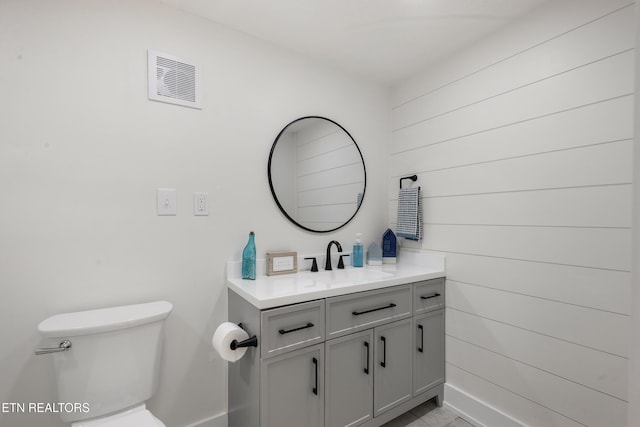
[281, 263]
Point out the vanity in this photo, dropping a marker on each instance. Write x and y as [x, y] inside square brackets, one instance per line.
[351, 347]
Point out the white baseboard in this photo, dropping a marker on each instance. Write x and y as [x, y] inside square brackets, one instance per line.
[473, 410]
[476, 411]
[219, 420]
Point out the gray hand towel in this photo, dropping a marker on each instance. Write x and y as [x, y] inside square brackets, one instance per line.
[410, 214]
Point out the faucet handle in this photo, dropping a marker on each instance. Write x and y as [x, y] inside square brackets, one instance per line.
[314, 264]
[341, 262]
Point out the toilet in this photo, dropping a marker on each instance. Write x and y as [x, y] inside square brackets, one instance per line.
[112, 365]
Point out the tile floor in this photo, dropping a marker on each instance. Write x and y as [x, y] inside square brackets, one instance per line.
[428, 415]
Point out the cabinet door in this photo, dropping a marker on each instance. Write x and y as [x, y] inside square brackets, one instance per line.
[292, 389]
[392, 365]
[349, 380]
[428, 353]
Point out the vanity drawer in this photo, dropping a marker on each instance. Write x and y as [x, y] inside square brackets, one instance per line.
[351, 313]
[291, 327]
[428, 295]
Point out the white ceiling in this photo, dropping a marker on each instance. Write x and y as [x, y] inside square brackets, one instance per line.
[381, 40]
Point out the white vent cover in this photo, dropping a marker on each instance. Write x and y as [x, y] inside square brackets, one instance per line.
[174, 80]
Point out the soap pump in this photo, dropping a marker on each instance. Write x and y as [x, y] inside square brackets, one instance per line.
[357, 259]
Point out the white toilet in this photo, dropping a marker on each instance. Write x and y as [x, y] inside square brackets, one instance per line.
[112, 365]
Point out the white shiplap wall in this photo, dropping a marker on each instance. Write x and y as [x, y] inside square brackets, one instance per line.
[522, 145]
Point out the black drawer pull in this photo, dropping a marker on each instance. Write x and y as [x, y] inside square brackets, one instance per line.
[421, 348]
[430, 296]
[383, 362]
[315, 388]
[358, 313]
[308, 325]
[366, 370]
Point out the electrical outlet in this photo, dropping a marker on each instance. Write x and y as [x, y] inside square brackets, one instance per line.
[200, 204]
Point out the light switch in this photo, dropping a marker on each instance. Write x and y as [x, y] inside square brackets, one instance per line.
[167, 201]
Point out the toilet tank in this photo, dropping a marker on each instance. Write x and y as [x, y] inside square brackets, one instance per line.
[114, 359]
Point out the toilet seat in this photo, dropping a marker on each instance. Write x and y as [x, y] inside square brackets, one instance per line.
[135, 417]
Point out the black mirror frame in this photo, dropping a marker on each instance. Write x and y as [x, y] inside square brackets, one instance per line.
[273, 192]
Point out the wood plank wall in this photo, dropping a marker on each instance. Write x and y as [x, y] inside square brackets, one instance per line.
[523, 147]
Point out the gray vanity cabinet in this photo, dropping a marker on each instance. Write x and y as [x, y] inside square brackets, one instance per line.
[428, 351]
[359, 359]
[349, 380]
[392, 362]
[292, 389]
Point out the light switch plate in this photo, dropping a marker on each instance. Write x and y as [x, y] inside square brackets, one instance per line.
[167, 201]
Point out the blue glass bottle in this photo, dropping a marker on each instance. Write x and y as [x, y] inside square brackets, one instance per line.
[249, 258]
[357, 259]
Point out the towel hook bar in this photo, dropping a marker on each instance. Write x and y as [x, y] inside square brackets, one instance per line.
[413, 178]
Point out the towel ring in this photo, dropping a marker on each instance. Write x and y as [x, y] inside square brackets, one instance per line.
[413, 178]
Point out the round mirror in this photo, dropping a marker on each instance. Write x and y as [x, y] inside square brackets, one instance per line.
[317, 174]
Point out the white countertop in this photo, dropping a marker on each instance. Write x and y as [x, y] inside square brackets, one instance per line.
[273, 291]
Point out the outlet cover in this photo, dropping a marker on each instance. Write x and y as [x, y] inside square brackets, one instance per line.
[167, 201]
[200, 204]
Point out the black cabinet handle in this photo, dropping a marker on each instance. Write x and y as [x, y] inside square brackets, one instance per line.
[308, 325]
[430, 296]
[366, 370]
[421, 348]
[358, 313]
[315, 389]
[383, 362]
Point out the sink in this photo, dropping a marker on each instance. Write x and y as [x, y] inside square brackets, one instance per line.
[353, 276]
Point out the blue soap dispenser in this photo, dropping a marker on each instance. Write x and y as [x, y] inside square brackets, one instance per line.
[357, 259]
[249, 258]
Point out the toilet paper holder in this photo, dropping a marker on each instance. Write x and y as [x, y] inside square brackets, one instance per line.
[249, 342]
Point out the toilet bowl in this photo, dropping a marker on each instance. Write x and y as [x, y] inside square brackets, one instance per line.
[109, 360]
[135, 417]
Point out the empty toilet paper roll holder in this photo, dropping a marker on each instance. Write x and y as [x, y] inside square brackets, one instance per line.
[249, 342]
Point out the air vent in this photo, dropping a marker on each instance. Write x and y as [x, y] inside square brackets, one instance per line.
[174, 80]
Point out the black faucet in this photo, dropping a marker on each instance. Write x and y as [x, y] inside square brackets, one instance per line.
[327, 264]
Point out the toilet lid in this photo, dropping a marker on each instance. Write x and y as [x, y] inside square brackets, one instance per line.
[142, 418]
